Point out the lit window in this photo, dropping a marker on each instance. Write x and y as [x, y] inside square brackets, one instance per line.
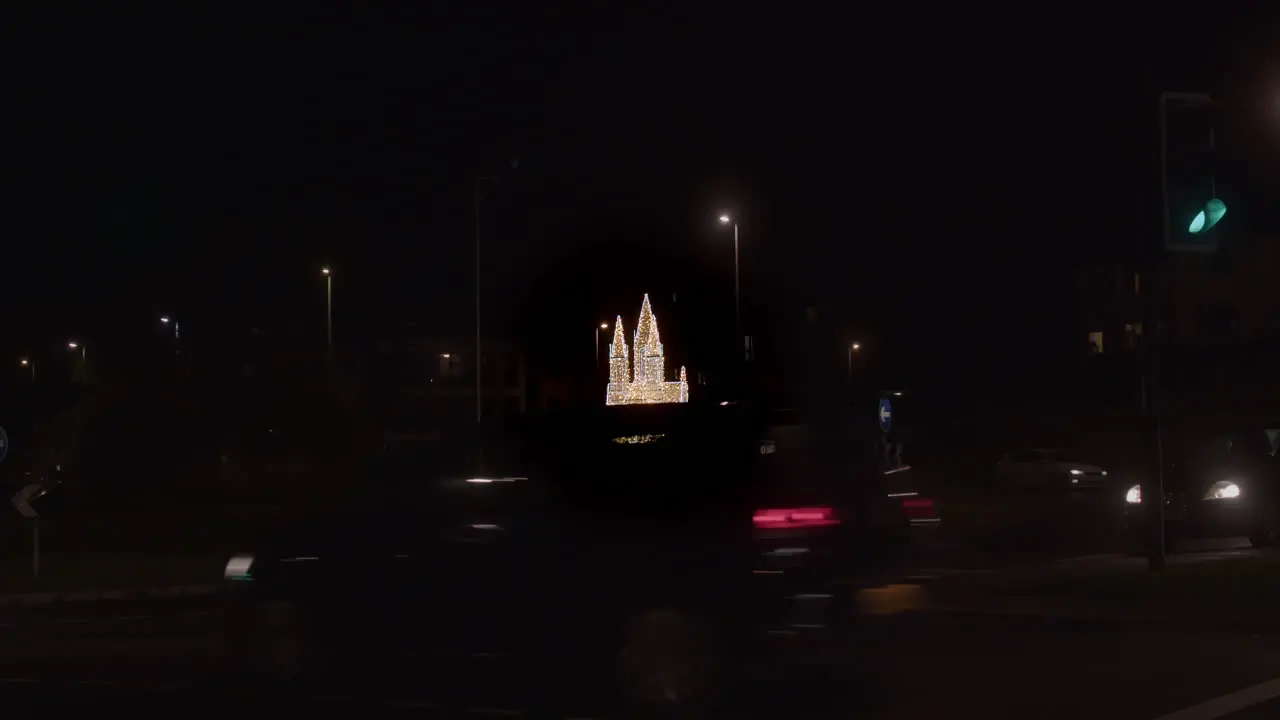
[1095, 342]
[1132, 332]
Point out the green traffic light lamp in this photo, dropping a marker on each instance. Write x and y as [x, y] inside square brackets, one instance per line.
[1207, 217]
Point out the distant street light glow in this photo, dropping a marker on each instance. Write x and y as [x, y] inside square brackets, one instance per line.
[324, 271]
[73, 345]
[164, 319]
[725, 219]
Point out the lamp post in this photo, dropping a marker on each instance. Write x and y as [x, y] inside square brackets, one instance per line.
[479, 183]
[26, 363]
[725, 219]
[853, 348]
[601, 326]
[72, 345]
[328, 304]
[167, 321]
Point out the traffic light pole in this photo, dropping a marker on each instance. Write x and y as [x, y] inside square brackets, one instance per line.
[1152, 291]
[1149, 290]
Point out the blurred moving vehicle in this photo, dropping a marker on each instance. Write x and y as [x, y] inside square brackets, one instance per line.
[660, 551]
[1227, 488]
[1046, 470]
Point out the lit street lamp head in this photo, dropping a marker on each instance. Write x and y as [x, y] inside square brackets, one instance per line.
[164, 320]
[856, 346]
[73, 345]
[324, 271]
[24, 362]
[725, 219]
[604, 326]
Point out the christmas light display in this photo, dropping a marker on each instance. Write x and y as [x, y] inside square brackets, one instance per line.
[639, 439]
[645, 381]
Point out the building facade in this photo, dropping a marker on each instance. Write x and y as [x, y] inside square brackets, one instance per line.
[1207, 301]
[1219, 328]
[430, 382]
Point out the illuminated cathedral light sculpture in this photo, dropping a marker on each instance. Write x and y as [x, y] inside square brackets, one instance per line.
[644, 382]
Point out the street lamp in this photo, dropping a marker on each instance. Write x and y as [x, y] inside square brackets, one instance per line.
[853, 348]
[166, 321]
[602, 326]
[24, 362]
[328, 304]
[73, 345]
[725, 219]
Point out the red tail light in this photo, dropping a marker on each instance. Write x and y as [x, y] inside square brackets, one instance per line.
[917, 508]
[795, 517]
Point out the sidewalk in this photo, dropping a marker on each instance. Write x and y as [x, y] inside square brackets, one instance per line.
[1230, 589]
[97, 577]
[19, 600]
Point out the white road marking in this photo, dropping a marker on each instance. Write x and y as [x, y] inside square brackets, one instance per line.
[1229, 703]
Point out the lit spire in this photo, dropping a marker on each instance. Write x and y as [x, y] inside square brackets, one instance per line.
[646, 331]
[619, 347]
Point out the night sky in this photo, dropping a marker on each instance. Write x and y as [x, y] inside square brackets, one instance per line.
[916, 172]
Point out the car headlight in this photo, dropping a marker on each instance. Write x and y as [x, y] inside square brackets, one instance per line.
[1223, 490]
[239, 567]
[1134, 495]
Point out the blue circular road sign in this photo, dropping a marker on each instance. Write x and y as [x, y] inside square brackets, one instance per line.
[885, 414]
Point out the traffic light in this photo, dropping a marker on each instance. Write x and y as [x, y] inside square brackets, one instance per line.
[1192, 209]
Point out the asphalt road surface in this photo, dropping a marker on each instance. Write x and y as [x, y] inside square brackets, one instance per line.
[162, 655]
[946, 668]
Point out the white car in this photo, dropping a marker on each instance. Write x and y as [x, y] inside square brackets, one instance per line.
[1046, 469]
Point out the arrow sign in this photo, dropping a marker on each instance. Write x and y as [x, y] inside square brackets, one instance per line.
[22, 500]
[885, 414]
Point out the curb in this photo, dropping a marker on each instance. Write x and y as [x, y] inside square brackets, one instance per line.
[48, 598]
[1026, 617]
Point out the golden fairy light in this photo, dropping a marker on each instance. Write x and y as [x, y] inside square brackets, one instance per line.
[644, 382]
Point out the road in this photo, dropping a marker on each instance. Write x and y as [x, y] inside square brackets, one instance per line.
[904, 667]
[940, 668]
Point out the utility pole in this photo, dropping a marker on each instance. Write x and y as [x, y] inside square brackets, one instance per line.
[479, 182]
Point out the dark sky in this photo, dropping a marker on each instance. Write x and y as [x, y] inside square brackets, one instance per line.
[909, 167]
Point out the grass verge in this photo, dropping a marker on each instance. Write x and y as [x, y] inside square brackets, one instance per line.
[87, 573]
[1233, 589]
[117, 550]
